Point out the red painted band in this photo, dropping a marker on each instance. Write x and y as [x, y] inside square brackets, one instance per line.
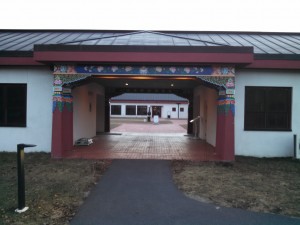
[143, 57]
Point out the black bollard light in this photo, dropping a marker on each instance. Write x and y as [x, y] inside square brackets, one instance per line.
[21, 177]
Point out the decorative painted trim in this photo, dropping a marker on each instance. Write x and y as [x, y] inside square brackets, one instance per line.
[64, 69]
[226, 101]
[62, 101]
[226, 104]
[61, 79]
[62, 97]
[216, 70]
[221, 81]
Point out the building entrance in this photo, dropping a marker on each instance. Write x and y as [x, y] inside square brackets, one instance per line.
[156, 111]
[86, 82]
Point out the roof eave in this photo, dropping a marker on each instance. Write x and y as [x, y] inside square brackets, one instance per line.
[143, 54]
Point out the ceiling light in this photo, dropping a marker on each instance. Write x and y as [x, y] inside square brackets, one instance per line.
[126, 84]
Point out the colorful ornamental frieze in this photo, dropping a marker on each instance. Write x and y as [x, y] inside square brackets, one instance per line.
[218, 75]
[226, 86]
[222, 82]
[62, 102]
[214, 70]
[62, 98]
[226, 104]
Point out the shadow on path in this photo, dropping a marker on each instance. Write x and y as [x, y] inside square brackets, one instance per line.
[142, 192]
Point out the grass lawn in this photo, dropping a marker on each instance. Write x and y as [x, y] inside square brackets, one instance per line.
[264, 185]
[54, 188]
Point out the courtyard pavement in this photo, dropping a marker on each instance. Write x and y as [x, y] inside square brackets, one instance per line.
[136, 139]
[141, 192]
[166, 126]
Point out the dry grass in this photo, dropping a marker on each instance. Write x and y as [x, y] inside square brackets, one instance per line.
[264, 185]
[54, 188]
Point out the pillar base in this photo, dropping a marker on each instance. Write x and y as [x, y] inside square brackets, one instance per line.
[22, 210]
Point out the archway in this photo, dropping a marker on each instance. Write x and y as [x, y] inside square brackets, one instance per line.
[217, 77]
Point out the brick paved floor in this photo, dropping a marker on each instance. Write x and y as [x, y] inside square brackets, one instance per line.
[145, 146]
[140, 140]
[172, 126]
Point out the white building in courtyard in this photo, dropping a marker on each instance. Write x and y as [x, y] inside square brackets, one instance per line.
[139, 105]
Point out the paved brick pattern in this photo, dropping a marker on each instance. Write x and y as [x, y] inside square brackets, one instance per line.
[145, 146]
[147, 141]
[145, 127]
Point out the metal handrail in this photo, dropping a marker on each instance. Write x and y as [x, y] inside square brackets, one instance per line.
[196, 126]
[195, 119]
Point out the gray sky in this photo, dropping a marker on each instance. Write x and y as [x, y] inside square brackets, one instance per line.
[198, 15]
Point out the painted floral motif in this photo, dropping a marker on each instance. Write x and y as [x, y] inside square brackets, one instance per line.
[223, 71]
[136, 70]
[207, 70]
[64, 69]
[158, 69]
[230, 83]
[143, 70]
[57, 81]
[187, 70]
[100, 69]
[228, 71]
[173, 69]
[114, 68]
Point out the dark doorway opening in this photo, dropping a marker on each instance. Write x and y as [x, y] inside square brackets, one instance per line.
[156, 111]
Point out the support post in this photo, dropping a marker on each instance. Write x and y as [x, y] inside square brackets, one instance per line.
[62, 121]
[225, 129]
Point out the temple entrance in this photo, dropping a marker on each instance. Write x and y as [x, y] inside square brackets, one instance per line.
[91, 89]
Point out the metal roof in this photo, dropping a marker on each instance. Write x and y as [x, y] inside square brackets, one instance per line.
[263, 43]
[149, 97]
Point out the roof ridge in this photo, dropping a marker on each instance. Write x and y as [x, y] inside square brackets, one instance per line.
[144, 31]
[187, 38]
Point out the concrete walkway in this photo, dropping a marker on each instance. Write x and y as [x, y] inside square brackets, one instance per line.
[141, 192]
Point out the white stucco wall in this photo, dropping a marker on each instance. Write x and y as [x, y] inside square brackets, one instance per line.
[84, 120]
[165, 110]
[39, 82]
[207, 110]
[266, 143]
[100, 117]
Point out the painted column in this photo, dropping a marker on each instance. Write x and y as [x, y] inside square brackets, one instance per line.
[223, 79]
[62, 125]
[225, 122]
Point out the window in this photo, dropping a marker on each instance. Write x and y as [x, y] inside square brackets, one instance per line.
[142, 110]
[130, 110]
[174, 109]
[268, 108]
[13, 105]
[115, 110]
[181, 109]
